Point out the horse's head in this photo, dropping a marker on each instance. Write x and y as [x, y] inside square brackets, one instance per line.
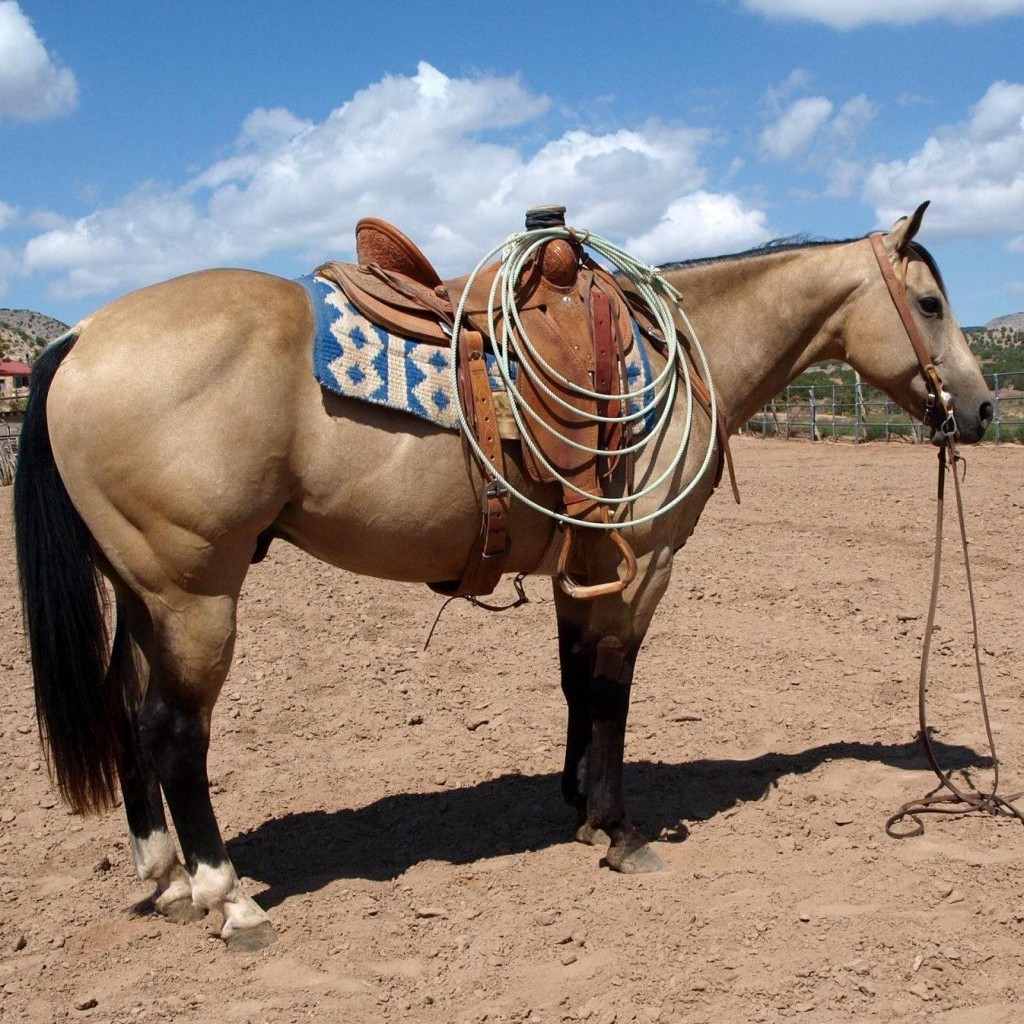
[879, 344]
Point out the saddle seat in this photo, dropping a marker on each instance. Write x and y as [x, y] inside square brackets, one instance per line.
[578, 324]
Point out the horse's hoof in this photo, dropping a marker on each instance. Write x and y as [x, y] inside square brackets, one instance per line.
[180, 911]
[592, 836]
[251, 940]
[639, 861]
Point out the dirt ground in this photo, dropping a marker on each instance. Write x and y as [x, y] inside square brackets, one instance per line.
[398, 812]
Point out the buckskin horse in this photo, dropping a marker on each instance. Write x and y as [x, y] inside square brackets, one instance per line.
[174, 430]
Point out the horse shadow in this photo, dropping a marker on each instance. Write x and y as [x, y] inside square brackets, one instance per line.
[303, 852]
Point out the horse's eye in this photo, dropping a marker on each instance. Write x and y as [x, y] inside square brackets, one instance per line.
[930, 305]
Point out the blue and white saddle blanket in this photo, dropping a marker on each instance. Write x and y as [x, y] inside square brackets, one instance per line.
[355, 358]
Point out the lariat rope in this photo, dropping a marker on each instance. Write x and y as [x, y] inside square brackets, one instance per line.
[956, 801]
[510, 339]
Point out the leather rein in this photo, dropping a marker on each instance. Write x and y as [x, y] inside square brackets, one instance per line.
[947, 797]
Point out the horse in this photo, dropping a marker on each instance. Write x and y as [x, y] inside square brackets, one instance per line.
[173, 431]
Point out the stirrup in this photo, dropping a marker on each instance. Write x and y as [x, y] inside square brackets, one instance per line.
[584, 593]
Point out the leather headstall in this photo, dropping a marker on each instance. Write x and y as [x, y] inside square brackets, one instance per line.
[939, 412]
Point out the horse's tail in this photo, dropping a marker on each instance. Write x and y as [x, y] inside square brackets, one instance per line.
[80, 704]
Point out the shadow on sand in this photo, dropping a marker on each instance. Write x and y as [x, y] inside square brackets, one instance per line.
[301, 853]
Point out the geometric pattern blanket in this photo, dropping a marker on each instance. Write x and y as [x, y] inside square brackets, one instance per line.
[355, 358]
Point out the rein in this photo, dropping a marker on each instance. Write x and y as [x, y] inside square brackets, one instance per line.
[940, 415]
[956, 801]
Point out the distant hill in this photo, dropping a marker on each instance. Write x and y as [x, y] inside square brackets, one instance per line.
[24, 332]
[1014, 321]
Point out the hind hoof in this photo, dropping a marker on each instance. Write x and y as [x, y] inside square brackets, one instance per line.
[251, 940]
[180, 911]
[591, 836]
[640, 861]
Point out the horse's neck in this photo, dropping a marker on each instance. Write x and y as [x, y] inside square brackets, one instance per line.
[764, 319]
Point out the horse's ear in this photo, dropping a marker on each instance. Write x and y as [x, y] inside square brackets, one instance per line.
[904, 230]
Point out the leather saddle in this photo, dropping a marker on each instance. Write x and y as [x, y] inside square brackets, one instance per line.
[578, 323]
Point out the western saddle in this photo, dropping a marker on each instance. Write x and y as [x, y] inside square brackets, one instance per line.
[578, 324]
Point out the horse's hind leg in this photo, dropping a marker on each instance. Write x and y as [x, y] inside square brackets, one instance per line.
[153, 851]
[189, 652]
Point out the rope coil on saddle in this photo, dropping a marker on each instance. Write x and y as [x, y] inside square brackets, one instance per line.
[511, 339]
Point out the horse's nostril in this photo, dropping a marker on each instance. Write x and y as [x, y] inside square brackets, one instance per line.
[985, 413]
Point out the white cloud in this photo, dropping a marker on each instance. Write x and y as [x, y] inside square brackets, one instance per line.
[792, 134]
[854, 13]
[8, 268]
[417, 150]
[807, 126]
[701, 224]
[973, 172]
[8, 215]
[32, 83]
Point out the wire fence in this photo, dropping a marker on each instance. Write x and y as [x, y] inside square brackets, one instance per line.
[857, 412]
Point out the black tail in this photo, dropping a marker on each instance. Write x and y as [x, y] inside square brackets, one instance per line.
[81, 711]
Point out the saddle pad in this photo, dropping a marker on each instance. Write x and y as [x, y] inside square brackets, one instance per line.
[355, 358]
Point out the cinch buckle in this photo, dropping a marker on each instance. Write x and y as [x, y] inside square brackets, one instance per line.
[496, 489]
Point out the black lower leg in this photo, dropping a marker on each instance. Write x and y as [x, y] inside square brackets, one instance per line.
[609, 706]
[143, 804]
[575, 675]
[177, 738]
[140, 788]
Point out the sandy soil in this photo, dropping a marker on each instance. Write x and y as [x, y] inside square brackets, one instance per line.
[398, 812]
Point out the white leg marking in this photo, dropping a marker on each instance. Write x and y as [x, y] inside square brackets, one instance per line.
[157, 860]
[218, 888]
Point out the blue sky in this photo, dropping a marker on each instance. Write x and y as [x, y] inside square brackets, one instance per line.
[141, 141]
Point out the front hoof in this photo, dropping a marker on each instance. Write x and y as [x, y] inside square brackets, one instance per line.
[592, 836]
[251, 940]
[179, 911]
[640, 860]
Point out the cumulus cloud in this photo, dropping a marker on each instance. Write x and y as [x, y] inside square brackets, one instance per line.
[700, 224]
[419, 150]
[8, 215]
[793, 132]
[812, 128]
[855, 13]
[973, 172]
[33, 84]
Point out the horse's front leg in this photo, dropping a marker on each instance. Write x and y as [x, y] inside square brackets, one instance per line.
[597, 657]
[575, 665]
[610, 685]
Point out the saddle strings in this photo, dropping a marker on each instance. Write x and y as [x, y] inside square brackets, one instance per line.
[511, 337]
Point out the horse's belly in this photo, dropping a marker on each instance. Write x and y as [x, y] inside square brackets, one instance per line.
[383, 494]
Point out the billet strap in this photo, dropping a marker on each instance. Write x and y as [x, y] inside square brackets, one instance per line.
[897, 286]
[486, 561]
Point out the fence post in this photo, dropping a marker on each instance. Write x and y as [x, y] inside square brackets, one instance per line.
[996, 417]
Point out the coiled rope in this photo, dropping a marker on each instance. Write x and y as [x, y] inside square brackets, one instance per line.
[511, 341]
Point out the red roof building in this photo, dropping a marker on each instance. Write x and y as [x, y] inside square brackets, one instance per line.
[14, 368]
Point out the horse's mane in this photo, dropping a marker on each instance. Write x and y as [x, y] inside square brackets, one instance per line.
[788, 243]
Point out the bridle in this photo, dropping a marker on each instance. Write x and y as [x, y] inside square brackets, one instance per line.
[939, 409]
[939, 415]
